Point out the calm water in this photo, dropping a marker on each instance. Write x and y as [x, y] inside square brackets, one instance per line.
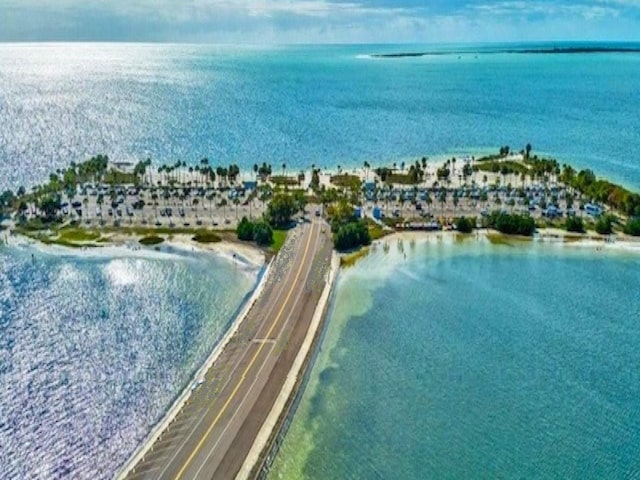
[475, 361]
[93, 350]
[304, 105]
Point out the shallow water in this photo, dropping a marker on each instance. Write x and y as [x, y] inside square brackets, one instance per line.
[94, 348]
[475, 361]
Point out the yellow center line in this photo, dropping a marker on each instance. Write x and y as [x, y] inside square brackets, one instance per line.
[244, 374]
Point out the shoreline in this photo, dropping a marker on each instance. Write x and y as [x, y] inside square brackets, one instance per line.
[543, 237]
[125, 245]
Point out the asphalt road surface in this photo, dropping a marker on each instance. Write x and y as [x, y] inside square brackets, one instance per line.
[213, 433]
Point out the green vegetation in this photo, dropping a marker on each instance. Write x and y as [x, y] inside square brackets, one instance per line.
[633, 227]
[351, 235]
[279, 237]
[280, 210]
[604, 225]
[602, 191]
[151, 240]
[574, 224]
[115, 177]
[465, 225]
[259, 231]
[263, 233]
[349, 260]
[511, 224]
[282, 180]
[206, 236]
[506, 167]
[245, 230]
[413, 175]
[78, 235]
[346, 181]
[376, 232]
[348, 232]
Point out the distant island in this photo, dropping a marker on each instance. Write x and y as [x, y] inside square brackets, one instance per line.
[546, 51]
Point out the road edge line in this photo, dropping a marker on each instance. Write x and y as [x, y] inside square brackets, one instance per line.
[273, 422]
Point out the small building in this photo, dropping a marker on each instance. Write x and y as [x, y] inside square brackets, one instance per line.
[357, 212]
[377, 213]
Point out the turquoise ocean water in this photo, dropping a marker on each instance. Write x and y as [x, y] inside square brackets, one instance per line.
[475, 361]
[328, 105]
[95, 346]
[465, 361]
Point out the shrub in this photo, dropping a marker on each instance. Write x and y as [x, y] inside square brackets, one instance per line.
[465, 225]
[604, 225]
[262, 233]
[512, 224]
[204, 236]
[633, 227]
[351, 235]
[151, 240]
[245, 230]
[574, 224]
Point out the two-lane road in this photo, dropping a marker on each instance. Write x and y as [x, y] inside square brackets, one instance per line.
[215, 430]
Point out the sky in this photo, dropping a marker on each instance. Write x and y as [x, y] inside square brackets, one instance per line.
[318, 21]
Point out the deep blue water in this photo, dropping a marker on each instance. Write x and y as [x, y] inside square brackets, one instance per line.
[302, 105]
[95, 347]
[475, 361]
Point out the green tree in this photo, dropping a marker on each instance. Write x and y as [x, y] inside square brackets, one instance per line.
[351, 235]
[280, 210]
[632, 227]
[245, 230]
[604, 225]
[574, 224]
[262, 233]
[465, 225]
[49, 206]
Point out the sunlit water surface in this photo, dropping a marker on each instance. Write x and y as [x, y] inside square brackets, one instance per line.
[94, 348]
[328, 105]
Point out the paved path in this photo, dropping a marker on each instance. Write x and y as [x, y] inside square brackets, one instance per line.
[215, 430]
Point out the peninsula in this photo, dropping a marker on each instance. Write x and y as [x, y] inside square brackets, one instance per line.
[227, 423]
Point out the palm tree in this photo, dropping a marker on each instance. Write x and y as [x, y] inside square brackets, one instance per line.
[210, 197]
[428, 201]
[236, 202]
[284, 169]
[85, 205]
[255, 171]
[223, 204]
[442, 197]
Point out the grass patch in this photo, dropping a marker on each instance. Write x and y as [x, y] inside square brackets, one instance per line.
[490, 158]
[283, 180]
[346, 181]
[205, 236]
[351, 259]
[151, 240]
[508, 166]
[78, 235]
[115, 177]
[376, 232]
[401, 179]
[279, 237]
